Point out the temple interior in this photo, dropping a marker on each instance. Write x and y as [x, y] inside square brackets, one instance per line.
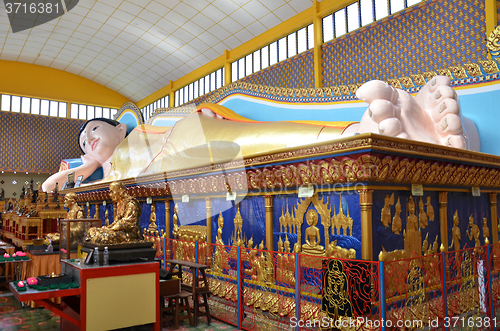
[292, 164]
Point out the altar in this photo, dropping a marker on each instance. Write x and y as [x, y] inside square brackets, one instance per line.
[107, 298]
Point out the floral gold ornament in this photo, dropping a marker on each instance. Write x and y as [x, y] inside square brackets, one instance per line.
[493, 42]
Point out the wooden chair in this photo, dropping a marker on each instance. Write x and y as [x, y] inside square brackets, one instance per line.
[175, 303]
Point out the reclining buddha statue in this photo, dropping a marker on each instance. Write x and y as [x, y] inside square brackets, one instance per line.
[215, 134]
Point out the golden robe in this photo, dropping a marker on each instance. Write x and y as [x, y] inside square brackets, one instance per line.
[199, 140]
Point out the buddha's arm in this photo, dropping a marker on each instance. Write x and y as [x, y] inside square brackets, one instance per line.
[128, 220]
[85, 170]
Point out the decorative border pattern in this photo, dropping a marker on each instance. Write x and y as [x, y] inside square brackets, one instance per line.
[182, 110]
[129, 105]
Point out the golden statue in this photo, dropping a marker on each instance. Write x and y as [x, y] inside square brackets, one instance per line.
[74, 212]
[423, 221]
[430, 209]
[220, 252]
[96, 215]
[238, 224]
[175, 231]
[220, 222]
[152, 219]
[412, 235]
[106, 218]
[474, 231]
[126, 226]
[250, 243]
[396, 220]
[332, 250]
[425, 245]
[385, 216]
[486, 229]
[258, 267]
[455, 233]
[312, 234]
[279, 261]
[288, 261]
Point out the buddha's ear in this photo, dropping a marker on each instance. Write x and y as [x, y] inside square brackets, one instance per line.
[122, 127]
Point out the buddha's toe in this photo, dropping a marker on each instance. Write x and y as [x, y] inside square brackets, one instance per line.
[450, 129]
[376, 89]
[380, 110]
[447, 106]
[390, 126]
[454, 140]
[451, 124]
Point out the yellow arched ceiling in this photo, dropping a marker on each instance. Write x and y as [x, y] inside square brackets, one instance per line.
[36, 81]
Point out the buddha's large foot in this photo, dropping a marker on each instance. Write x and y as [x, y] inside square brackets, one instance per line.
[433, 115]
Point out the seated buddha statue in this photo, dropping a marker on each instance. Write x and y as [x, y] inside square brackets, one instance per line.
[74, 212]
[313, 237]
[125, 227]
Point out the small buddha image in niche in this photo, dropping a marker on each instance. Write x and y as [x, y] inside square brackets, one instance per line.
[312, 235]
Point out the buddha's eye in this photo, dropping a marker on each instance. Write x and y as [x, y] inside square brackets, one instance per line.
[84, 143]
[94, 128]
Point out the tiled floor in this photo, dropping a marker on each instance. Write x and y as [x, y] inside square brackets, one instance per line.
[14, 317]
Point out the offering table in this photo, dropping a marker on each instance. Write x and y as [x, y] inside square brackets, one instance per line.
[110, 297]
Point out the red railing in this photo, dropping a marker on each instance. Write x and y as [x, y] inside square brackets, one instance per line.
[257, 289]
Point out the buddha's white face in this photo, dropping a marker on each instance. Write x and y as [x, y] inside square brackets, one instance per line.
[99, 139]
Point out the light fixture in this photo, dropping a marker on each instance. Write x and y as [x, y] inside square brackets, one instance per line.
[2, 171]
[14, 172]
[26, 172]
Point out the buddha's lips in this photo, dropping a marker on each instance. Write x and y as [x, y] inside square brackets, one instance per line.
[94, 143]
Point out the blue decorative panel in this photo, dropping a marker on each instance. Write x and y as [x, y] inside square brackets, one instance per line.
[388, 237]
[346, 238]
[466, 206]
[429, 36]
[297, 72]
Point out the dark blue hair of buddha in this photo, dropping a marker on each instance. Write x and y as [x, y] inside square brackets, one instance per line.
[102, 119]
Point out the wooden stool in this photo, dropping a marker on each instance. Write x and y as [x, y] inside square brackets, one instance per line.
[198, 287]
[197, 304]
[176, 303]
